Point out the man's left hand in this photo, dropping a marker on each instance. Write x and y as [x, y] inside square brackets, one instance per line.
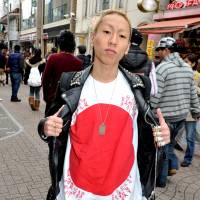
[162, 132]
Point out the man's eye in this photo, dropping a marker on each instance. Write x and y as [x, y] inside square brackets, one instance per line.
[106, 32]
[122, 36]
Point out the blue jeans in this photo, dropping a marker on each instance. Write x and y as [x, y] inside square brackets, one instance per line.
[190, 127]
[15, 82]
[171, 160]
[174, 128]
[35, 92]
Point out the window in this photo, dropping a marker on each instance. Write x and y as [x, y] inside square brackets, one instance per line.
[105, 4]
[120, 3]
[102, 5]
[28, 14]
[55, 10]
[85, 8]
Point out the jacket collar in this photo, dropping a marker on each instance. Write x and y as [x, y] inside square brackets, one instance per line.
[81, 76]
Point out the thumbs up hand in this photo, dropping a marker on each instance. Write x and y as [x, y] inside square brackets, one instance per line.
[53, 125]
[161, 133]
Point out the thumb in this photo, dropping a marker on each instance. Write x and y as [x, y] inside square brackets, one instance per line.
[160, 116]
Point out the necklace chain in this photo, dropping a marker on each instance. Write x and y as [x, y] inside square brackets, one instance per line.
[102, 126]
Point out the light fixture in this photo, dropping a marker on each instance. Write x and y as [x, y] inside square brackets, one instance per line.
[148, 5]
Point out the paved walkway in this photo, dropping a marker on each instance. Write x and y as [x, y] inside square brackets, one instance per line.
[185, 185]
[24, 171]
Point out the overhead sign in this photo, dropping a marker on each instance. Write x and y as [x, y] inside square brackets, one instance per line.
[183, 4]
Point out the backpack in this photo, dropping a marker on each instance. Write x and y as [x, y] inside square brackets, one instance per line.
[35, 78]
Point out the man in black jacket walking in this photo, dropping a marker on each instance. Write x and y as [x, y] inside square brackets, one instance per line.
[137, 61]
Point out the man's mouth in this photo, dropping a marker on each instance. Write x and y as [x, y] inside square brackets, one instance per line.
[110, 51]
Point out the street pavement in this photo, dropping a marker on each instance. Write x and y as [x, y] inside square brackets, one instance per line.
[24, 173]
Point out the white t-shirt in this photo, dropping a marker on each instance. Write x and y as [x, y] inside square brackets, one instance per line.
[103, 167]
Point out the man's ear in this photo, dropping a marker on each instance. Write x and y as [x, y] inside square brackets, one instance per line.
[92, 37]
[126, 52]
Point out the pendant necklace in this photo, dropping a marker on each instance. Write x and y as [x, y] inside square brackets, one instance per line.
[102, 125]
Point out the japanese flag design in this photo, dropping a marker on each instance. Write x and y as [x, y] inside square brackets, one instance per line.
[103, 167]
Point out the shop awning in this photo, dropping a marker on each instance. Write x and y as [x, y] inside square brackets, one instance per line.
[170, 26]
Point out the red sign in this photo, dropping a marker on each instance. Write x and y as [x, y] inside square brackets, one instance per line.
[180, 4]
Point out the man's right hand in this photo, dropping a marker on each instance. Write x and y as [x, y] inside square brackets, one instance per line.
[53, 125]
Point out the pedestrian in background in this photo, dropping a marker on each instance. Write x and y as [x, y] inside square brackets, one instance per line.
[102, 151]
[27, 56]
[7, 71]
[157, 59]
[3, 61]
[191, 124]
[57, 63]
[16, 65]
[86, 59]
[137, 61]
[53, 50]
[176, 97]
[38, 63]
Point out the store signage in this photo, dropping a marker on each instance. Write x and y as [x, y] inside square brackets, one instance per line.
[150, 48]
[182, 4]
[28, 37]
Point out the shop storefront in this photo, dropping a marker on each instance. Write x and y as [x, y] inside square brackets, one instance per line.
[55, 20]
[181, 20]
[28, 41]
[50, 37]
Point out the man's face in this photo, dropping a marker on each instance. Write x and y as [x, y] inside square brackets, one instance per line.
[4, 51]
[111, 39]
[189, 62]
[162, 52]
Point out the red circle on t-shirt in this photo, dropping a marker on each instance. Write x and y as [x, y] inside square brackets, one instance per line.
[99, 164]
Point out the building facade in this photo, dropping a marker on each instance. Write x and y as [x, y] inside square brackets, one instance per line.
[179, 19]
[42, 20]
[28, 34]
[10, 20]
[56, 14]
[88, 12]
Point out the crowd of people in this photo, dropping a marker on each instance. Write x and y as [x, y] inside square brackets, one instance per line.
[106, 116]
[18, 66]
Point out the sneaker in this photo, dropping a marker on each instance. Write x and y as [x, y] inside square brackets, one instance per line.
[185, 164]
[15, 100]
[172, 172]
[1, 99]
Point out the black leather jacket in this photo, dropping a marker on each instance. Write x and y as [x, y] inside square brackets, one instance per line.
[68, 94]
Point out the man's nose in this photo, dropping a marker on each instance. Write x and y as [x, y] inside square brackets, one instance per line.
[113, 39]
